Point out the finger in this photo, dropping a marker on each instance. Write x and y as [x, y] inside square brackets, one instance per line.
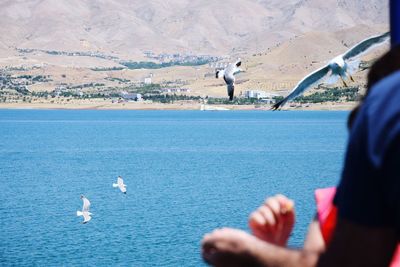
[256, 219]
[257, 228]
[215, 244]
[274, 205]
[211, 238]
[286, 204]
[263, 232]
[216, 235]
[211, 243]
[287, 207]
[268, 215]
[288, 212]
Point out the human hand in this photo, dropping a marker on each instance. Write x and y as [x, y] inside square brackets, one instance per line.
[229, 247]
[274, 220]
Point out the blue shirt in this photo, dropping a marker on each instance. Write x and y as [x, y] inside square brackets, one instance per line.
[369, 191]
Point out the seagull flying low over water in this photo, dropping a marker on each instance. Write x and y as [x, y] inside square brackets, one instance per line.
[229, 76]
[339, 67]
[85, 210]
[120, 184]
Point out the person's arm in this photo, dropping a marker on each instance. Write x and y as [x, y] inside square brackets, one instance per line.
[314, 241]
[352, 245]
[271, 225]
[270, 255]
[233, 248]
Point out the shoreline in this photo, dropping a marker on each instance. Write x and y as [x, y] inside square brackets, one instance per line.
[176, 106]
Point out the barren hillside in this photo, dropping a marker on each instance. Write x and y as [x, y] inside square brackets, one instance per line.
[129, 27]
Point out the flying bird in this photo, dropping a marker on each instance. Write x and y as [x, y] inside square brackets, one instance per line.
[229, 76]
[339, 67]
[120, 184]
[85, 210]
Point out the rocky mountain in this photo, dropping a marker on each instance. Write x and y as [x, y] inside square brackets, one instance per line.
[127, 28]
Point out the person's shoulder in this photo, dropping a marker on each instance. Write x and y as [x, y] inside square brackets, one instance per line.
[381, 113]
[385, 93]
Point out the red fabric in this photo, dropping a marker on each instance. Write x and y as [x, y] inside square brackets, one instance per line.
[326, 211]
[396, 259]
[327, 217]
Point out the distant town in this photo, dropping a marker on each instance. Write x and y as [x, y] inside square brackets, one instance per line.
[19, 84]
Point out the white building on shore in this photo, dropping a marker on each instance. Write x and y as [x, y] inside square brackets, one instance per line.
[261, 95]
[258, 94]
[131, 96]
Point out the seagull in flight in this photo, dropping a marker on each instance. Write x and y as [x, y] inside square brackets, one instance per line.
[85, 210]
[229, 76]
[120, 184]
[339, 67]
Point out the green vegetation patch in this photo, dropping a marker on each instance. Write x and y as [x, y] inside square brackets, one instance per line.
[331, 95]
[153, 65]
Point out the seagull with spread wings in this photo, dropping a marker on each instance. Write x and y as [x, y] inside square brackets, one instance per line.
[339, 67]
[85, 210]
[120, 184]
[228, 74]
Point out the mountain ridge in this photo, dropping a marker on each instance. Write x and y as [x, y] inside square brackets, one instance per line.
[129, 28]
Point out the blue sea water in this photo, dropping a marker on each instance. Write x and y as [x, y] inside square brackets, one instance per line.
[187, 173]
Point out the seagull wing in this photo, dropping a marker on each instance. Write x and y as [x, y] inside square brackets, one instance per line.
[233, 68]
[365, 46]
[303, 85]
[122, 188]
[220, 74]
[86, 217]
[86, 205]
[230, 69]
[237, 71]
[121, 185]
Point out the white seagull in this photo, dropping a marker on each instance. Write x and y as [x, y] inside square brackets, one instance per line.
[120, 184]
[229, 76]
[85, 210]
[339, 67]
